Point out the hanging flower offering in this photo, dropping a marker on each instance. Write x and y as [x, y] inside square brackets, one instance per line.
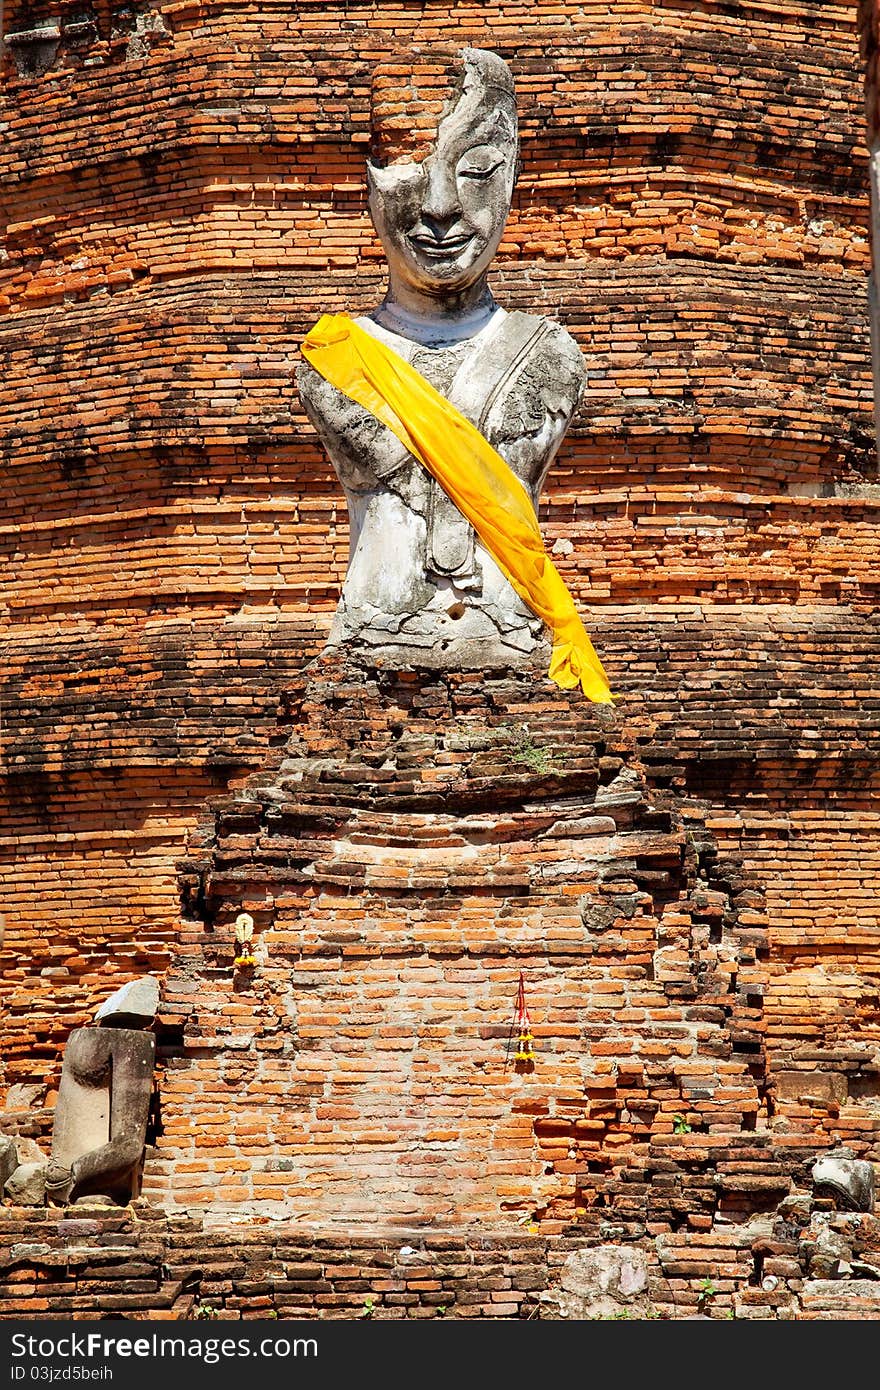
[522, 1026]
[244, 932]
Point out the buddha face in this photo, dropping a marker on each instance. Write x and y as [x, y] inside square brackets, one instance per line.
[440, 220]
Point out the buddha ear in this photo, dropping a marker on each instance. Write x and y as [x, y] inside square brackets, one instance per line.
[372, 190]
[375, 179]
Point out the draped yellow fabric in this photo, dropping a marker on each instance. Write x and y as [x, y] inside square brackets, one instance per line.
[480, 483]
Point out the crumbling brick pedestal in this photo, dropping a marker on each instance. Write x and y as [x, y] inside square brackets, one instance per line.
[425, 839]
[420, 842]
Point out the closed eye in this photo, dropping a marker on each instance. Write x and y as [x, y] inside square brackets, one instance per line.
[481, 174]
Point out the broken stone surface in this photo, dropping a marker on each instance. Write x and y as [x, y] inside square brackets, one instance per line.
[604, 1282]
[28, 1150]
[8, 1159]
[27, 1185]
[844, 1296]
[135, 1003]
[812, 1087]
[24, 1252]
[832, 1256]
[20, 1097]
[850, 1179]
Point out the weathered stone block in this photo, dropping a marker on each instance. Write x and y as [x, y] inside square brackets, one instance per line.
[827, 1088]
[850, 1179]
[27, 1185]
[604, 1282]
[133, 1005]
[22, 1097]
[8, 1159]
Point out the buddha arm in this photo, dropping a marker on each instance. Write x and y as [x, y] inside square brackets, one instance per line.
[361, 450]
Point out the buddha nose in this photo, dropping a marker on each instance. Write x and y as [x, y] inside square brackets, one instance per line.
[440, 206]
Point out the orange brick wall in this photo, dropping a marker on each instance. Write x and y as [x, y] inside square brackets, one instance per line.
[179, 207]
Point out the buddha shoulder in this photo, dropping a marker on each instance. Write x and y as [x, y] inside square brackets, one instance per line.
[339, 421]
[548, 379]
[320, 399]
[361, 449]
[555, 360]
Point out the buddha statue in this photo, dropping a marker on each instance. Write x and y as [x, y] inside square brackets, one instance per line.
[421, 587]
[103, 1102]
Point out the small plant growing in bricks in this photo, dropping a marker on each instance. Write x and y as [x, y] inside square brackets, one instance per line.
[707, 1292]
[627, 1315]
[680, 1125]
[204, 1312]
[528, 753]
[368, 1308]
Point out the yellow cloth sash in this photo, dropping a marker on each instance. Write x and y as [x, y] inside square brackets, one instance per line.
[483, 487]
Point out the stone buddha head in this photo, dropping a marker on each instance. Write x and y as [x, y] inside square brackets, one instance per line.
[443, 163]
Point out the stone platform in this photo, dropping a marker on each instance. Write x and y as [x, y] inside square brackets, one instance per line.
[140, 1263]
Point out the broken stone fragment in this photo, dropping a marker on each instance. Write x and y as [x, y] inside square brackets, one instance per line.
[27, 1186]
[851, 1179]
[859, 1297]
[59, 1183]
[22, 1097]
[604, 1282]
[28, 1150]
[832, 1255]
[132, 1006]
[8, 1159]
[796, 1206]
